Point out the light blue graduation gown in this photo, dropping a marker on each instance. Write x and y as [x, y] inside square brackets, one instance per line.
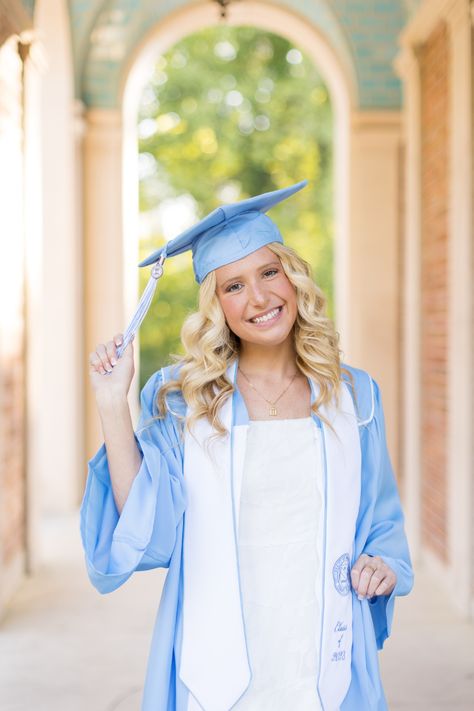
[150, 533]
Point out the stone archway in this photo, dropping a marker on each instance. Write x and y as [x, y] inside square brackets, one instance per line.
[341, 84]
[114, 130]
[367, 182]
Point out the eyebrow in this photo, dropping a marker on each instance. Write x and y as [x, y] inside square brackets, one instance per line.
[236, 278]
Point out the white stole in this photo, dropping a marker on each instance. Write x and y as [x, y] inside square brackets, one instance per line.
[214, 664]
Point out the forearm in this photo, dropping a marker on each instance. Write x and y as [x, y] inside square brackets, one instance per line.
[123, 455]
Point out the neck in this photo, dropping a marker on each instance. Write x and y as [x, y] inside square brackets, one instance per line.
[258, 359]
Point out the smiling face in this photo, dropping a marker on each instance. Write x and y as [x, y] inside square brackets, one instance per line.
[257, 298]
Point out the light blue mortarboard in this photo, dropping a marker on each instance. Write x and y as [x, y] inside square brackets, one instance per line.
[227, 234]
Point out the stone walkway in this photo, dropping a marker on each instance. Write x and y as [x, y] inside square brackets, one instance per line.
[64, 647]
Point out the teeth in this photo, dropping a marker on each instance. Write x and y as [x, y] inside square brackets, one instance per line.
[267, 317]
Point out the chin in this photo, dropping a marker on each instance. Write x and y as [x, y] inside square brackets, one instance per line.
[266, 339]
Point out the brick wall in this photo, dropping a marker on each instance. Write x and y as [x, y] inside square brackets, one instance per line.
[12, 360]
[12, 463]
[434, 59]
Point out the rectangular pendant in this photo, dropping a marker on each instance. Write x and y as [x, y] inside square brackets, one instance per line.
[273, 411]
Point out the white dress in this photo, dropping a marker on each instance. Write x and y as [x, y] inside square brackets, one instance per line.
[280, 529]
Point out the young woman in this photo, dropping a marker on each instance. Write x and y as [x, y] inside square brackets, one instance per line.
[259, 475]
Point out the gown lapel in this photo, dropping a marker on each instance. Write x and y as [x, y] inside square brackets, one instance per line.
[342, 476]
[214, 662]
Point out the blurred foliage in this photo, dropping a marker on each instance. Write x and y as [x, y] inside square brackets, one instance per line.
[240, 110]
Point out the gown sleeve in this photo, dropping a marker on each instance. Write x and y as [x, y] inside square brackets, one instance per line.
[386, 537]
[143, 536]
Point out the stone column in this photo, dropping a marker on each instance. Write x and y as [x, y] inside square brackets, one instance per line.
[104, 249]
[407, 66]
[457, 575]
[373, 339]
[461, 331]
[55, 437]
[12, 325]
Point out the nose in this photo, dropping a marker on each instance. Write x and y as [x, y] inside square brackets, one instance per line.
[257, 294]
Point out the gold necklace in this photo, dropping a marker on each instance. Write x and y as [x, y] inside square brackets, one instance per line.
[273, 412]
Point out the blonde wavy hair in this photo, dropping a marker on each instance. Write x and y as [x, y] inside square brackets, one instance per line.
[210, 347]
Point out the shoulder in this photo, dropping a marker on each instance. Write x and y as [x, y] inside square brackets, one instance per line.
[364, 391]
[154, 383]
[169, 372]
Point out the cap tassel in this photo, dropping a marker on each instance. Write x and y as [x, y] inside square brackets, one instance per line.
[143, 304]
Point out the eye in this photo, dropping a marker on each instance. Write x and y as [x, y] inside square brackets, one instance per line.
[270, 272]
[230, 288]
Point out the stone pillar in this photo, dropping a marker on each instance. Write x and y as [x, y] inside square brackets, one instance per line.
[460, 309]
[55, 438]
[373, 338]
[407, 66]
[37, 397]
[12, 325]
[456, 573]
[105, 312]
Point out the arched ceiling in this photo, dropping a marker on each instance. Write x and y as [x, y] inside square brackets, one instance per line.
[363, 32]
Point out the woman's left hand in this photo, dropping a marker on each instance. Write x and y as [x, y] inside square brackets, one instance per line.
[371, 576]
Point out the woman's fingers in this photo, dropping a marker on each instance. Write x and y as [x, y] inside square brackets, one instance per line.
[376, 579]
[101, 351]
[371, 576]
[111, 353]
[118, 339]
[364, 581]
[103, 359]
[95, 364]
[382, 588]
[357, 569]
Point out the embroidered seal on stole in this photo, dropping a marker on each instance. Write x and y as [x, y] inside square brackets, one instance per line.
[340, 574]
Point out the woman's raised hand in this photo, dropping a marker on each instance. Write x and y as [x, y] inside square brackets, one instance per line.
[109, 374]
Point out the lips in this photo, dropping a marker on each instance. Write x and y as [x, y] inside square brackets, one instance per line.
[266, 316]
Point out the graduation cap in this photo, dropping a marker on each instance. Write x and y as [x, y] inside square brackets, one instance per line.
[227, 234]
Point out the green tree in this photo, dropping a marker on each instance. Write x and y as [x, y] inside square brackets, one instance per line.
[233, 110]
